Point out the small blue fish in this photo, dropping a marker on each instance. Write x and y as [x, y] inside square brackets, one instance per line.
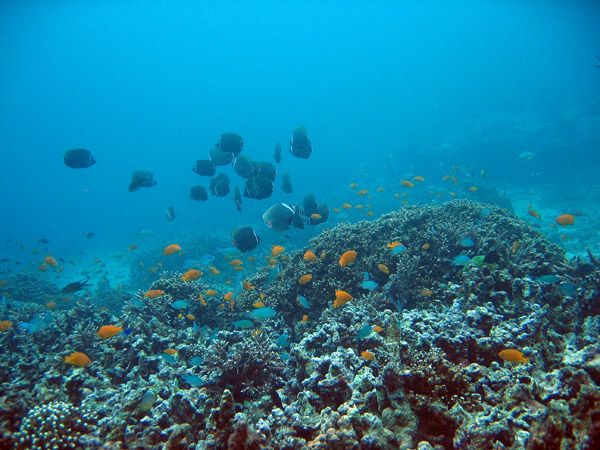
[180, 304]
[262, 313]
[169, 359]
[548, 279]
[461, 260]
[364, 332]
[137, 303]
[282, 341]
[368, 283]
[37, 323]
[285, 356]
[273, 273]
[303, 302]
[485, 212]
[196, 361]
[466, 242]
[243, 324]
[193, 380]
[397, 249]
[127, 332]
[147, 401]
[230, 252]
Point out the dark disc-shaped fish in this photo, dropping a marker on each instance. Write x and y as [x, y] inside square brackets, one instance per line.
[205, 167]
[298, 220]
[141, 178]
[258, 187]
[237, 198]
[265, 168]
[78, 158]
[219, 185]
[74, 287]
[243, 166]
[199, 193]
[279, 216]
[310, 205]
[231, 143]
[320, 216]
[219, 157]
[277, 154]
[300, 145]
[170, 213]
[244, 239]
[286, 183]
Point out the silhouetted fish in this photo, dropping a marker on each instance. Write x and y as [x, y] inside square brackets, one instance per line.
[219, 157]
[286, 183]
[170, 213]
[231, 143]
[300, 145]
[237, 198]
[244, 239]
[243, 166]
[277, 154]
[219, 186]
[74, 287]
[78, 158]
[205, 167]
[258, 187]
[198, 193]
[141, 178]
[279, 216]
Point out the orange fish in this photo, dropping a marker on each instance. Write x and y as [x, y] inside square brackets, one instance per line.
[370, 213]
[202, 301]
[5, 325]
[50, 261]
[473, 188]
[353, 185]
[43, 267]
[419, 179]
[231, 303]
[377, 329]
[262, 296]
[153, 293]
[132, 247]
[211, 293]
[565, 219]
[251, 258]
[383, 268]
[310, 256]
[180, 316]
[446, 178]
[258, 305]
[516, 246]
[238, 268]
[256, 333]
[341, 298]
[190, 316]
[346, 206]
[407, 184]
[393, 244]
[512, 355]
[305, 278]
[246, 286]
[78, 359]
[426, 292]
[171, 351]
[304, 318]
[51, 305]
[322, 255]
[367, 355]
[191, 275]
[228, 296]
[276, 250]
[362, 192]
[214, 270]
[454, 180]
[236, 262]
[359, 207]
[316, 216]
[534, 213]
[380, 189]
[171, 249]
[108, 331]
[347, 258]
[425, 246]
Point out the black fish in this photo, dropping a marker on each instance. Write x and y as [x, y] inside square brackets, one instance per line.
[219, 186]
[279, 217]
[141, 178]
[237, 198]
[199, 193]
[297, 220]
[275, 398]
[243, 166]
[244, 239]
[277, 154]
[90, 235]
[219, 157]
[310, 205]
[170, 213]
[286, 183]
[231, 143]
[205, 167]
[258, 187]
[43, 241]
[265, 168]
[3, 260]
[74, 287]
[300, 145]
[78, 158]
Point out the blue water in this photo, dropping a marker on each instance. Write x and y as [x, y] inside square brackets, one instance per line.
[385, 89]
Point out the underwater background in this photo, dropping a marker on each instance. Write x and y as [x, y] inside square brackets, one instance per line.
[446, 213]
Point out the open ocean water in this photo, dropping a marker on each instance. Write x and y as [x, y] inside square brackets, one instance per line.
[300, 224]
